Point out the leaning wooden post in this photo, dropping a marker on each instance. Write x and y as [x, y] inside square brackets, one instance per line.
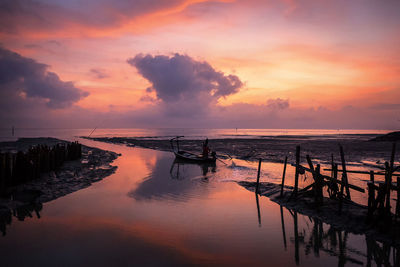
[344, 174]
[258, 211]
[372, 176]
[392, 157]
[398, 198]
[371, 200]
[319, 184]
[283, 176]
[388, 180]
[283, 228]
[296, 239]
[315, 186]
[2, 173]
[341, 196]
[296, 176]
[258, 175]
[388, 184]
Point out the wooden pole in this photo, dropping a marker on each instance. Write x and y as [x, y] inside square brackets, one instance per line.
[392, 157]
[283, 229]
[388, 182]
[344, 175]
[319, 182]
[258, 175]
[2, 173]
[296, 176]
[398, 198]
[316, 183]
[258, 211]
[296, 239]
[371, 200]
[381, 198]
[335, 179]
[283, 176]
[372, 176]
[389, 171]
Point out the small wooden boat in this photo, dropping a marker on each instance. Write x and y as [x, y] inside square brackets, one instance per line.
[188, 156]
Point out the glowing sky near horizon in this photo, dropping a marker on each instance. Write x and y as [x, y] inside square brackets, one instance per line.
[335, 63]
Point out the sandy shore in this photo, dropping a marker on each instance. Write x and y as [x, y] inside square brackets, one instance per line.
[358, 149]
[94, 165]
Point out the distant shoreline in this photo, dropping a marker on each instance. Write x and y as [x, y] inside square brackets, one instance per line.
[358, 150]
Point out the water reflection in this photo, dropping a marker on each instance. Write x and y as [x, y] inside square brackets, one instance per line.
[177, 170]
[315, 237]
[183, 182]
[20, 212]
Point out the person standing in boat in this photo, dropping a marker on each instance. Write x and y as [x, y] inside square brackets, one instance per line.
[206, 149]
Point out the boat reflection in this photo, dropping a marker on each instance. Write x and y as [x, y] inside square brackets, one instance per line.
[177, 170]
[185, 180]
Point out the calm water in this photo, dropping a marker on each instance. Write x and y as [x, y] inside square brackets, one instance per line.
[155, 212]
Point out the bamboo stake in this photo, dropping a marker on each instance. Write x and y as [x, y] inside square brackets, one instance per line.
[296, 177]
[389, 170]
[258, 211]
[283, 228]
[388, 183]
[258, 175]
[371, 200]
[296, 239]
[283, 176]
[372, 176]
[319, 183]
[344, 175]
[398, 197]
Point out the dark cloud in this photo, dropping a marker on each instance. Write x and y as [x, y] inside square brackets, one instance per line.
[22, 78]
[278, 103]
[20, 15]
[99, 73]
[184, 84]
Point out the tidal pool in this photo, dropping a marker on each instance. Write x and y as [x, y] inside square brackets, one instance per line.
[154, 211]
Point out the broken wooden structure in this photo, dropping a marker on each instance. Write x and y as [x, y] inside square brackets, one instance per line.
[379, 192]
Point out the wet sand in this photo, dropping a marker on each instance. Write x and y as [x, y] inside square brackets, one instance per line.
[359, 150]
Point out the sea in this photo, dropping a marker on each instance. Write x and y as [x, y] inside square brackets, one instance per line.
[154, 211]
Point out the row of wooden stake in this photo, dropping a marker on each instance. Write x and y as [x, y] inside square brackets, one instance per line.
[16, 168]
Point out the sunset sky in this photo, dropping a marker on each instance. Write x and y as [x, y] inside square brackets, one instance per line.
[197, 63]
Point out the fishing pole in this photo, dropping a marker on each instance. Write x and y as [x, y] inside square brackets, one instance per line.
[92, 131]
